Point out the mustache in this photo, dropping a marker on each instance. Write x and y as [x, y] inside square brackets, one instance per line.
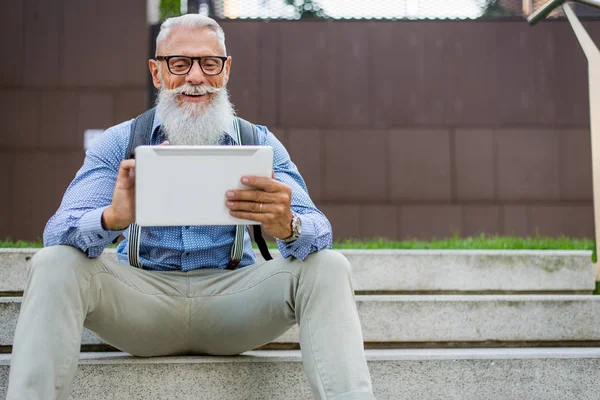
[192, 89]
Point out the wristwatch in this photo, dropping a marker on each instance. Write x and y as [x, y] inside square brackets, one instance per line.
[296, 229]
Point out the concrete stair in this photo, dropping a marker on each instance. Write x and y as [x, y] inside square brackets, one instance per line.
[449, 374]
[421, 271]
[440, 319]
[501, 310]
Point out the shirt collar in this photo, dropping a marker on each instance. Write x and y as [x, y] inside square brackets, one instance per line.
[156, 128]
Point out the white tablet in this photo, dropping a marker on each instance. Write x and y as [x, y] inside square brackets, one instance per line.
[186, 185]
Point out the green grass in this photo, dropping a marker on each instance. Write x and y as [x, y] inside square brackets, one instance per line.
[484, 242]
[8, 243]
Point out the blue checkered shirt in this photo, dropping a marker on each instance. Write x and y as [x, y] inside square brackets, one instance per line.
[77, 222]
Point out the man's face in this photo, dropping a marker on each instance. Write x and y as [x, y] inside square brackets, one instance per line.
[194, 43]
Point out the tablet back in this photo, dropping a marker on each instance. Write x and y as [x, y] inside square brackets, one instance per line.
[186, 185]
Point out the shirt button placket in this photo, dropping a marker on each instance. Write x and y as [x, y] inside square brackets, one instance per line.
[185, 257]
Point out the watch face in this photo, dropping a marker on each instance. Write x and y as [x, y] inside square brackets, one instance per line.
[297, 228]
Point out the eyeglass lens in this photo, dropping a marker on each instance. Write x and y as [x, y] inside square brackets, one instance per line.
[182, 65]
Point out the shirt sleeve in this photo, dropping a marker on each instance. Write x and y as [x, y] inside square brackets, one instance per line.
[316, 230]
[78, 220]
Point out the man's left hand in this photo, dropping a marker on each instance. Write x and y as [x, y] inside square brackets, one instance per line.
[268, 202]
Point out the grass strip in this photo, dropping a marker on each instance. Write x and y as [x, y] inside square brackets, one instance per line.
[483, 242]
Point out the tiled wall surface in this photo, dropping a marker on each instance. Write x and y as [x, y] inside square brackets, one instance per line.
[67, 66]
[400, 129]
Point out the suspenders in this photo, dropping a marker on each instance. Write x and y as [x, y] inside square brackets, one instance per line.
[141, 133]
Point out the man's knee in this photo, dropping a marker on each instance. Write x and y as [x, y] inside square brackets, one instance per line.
[327, 266]
[57, 263]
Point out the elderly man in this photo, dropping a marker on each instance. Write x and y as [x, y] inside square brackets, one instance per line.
[184, 300]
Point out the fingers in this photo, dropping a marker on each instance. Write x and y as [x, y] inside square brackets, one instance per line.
[260, 182]
[257, 196]
[126, 171]
[165, 143]
[268, 191]
[262, 218]
[258, 208]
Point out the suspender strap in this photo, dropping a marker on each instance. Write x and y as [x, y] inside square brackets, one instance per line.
[140, 134]
[250, 137]
[260, 241]
[237, 250]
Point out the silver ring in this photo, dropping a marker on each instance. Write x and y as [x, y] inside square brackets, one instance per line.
[260, 208]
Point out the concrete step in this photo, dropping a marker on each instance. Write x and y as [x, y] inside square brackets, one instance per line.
[448, 374]
[421, 271]
[421, 319]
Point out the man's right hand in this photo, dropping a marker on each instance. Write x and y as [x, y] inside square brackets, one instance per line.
[121, 213]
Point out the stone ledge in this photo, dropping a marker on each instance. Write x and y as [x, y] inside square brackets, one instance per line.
[421, 271]
[486, 374]
[429, 318]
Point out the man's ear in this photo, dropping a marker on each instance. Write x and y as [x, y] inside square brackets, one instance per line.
[154, 71]
[226, 71]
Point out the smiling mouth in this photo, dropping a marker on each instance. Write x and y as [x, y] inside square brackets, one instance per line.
[193, 95]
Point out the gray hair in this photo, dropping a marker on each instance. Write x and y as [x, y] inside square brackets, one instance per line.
[190, 21]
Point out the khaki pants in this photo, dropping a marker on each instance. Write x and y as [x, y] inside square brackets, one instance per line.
[206, 311]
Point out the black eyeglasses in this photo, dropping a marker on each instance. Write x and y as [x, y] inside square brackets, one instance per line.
[181, 65]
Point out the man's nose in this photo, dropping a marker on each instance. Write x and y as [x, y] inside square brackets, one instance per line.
[195, 76]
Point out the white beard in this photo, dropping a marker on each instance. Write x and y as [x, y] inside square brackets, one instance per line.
[195, 124]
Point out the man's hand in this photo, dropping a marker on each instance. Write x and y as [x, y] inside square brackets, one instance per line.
[121, 213]
[275, 197]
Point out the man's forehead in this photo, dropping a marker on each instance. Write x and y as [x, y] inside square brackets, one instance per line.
[188, 41]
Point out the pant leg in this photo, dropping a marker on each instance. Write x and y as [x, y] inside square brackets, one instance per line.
[240, 310]
[137, 311]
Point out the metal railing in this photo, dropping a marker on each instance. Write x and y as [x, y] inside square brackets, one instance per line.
[593, 56]
[548, 7]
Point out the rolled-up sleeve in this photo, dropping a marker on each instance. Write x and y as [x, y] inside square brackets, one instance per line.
[316, 229]
[78, 220]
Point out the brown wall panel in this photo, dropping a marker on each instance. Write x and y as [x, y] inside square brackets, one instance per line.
[514, 97]
[305, 96]
[570, 83]
[408, 85]
[20, 114]
[344, 219]
[349, 69]
[430, 221]
[440, 126]
[576, 164]
[241, 42]
[380, 221]
[103, 46]
[419, 164]
[528, 164]
[305, 149]
[96, 111]
[7, 205]
[480, 219]
[472, 70]
[40, 176]
[574, 221]
[268, 73]
[58, 127]
[42, 37]
[11, 42]
[355, 166]
[129, 104]
[542, 72]
[516, 221]
[474, 159]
